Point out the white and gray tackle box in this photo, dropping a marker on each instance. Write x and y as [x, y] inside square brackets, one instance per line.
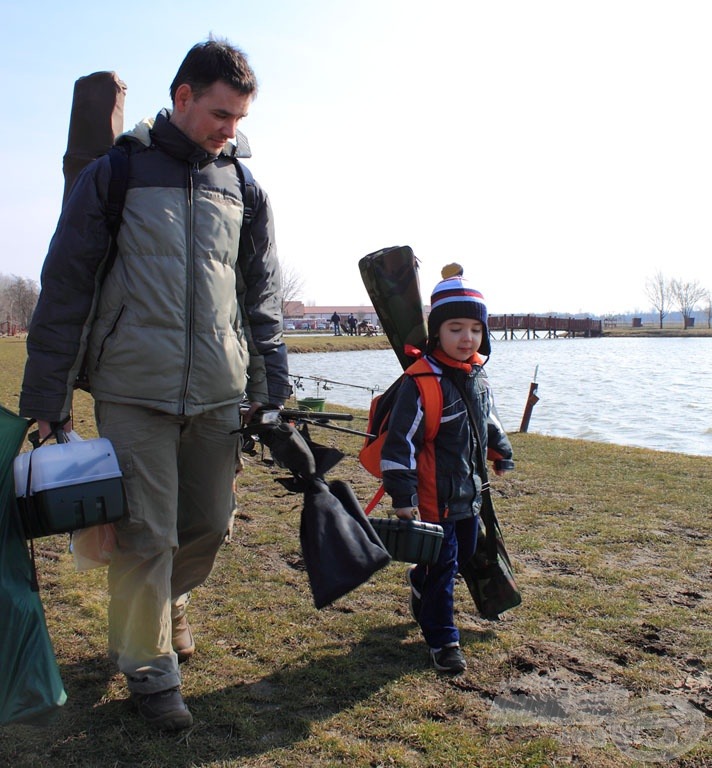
[73, 485]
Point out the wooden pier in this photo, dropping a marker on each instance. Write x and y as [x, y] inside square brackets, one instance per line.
[543, 327]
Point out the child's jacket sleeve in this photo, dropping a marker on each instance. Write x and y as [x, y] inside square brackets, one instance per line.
[499, 449]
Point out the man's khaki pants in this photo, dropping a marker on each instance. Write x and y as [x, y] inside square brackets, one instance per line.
[178, 474]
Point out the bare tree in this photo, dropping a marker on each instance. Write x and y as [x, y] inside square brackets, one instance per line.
[292, 284]
[686, 296]
[707, 308]
[658, 291]
[18, 297]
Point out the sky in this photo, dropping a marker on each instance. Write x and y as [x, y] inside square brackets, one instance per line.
[560, 150]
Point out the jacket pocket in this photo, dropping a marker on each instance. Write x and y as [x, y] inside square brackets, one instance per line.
[107, 336]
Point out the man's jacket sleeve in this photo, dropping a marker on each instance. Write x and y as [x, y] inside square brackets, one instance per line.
[260, 298]
[61, 322]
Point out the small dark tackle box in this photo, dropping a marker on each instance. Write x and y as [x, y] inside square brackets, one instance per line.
[410, 541]
[73, 485]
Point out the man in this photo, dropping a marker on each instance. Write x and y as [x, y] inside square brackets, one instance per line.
[182, 326]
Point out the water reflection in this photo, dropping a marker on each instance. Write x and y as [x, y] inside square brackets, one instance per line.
[653, 393]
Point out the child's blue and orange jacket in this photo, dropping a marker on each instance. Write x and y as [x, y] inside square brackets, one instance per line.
[441, 477]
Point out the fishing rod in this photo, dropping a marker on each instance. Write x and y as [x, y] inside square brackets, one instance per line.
[326, 425]
[315, 418]
[295, 413]
[321, 419]
[321, 381]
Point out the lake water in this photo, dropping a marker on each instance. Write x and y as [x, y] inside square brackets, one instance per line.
[653, 393]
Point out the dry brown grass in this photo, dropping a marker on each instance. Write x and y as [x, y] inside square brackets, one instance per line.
[611, 550]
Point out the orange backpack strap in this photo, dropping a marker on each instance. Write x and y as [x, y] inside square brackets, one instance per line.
[377, 496]
[431, 395]
[431, 398]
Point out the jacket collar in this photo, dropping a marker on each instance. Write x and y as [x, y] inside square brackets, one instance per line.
[172, 140]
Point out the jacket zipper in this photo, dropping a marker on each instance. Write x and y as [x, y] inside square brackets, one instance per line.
[190, 276]
[468, 391]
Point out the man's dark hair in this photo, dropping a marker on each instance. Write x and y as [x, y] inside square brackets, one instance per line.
[213, 60]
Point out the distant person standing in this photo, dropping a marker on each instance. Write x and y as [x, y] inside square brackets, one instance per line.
[352, 325]
[185, 324]
[336, 320]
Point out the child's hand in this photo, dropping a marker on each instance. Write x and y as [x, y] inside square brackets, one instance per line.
[407, 513]
[502, 465]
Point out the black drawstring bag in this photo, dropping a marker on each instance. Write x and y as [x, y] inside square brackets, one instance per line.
[340, 548]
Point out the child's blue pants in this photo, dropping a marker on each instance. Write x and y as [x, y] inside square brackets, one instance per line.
[436, 582]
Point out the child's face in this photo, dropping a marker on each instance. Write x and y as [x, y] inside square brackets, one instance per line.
[460, 337]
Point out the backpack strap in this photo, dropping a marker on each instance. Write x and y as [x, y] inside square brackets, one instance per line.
[377, 496]
[119, 159]
[431, 398]
[248, 187]
[249, 192]
[431, 395]
[115, 199]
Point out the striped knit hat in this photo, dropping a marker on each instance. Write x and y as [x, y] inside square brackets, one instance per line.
[454, 297]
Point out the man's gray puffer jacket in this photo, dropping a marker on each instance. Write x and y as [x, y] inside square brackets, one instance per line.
[181, 323]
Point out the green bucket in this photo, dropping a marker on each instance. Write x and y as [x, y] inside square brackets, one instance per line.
[312, 403]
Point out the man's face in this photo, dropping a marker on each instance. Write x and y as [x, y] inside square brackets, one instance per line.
[212, 118]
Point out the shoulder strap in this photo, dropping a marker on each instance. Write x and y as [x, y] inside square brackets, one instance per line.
[489, 517]
[249, 192]
[431, 395]
[119, 159]
[115, 199]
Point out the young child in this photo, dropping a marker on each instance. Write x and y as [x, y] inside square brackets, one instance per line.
[443, 483]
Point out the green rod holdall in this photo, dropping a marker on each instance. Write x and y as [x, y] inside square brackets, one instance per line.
[391, 280]
[30, 685]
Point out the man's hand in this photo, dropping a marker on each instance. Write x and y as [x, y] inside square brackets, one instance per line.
[45, 429]
[250, 412]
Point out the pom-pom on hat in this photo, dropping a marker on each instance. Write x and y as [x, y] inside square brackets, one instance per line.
[454, 297]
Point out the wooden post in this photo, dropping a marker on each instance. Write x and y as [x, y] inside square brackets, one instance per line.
[532, 400]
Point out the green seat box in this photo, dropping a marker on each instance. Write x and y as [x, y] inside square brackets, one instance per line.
[410, 541]
[73, 485]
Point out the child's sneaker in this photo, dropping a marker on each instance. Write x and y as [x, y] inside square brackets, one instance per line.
[415, 598]
[448, 659]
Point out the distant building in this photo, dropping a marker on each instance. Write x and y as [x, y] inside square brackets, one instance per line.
[302, 316]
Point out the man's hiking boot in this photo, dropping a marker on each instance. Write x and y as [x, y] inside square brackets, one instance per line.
[183, 641]
[448, 659]
[164, 710]
[415, 598]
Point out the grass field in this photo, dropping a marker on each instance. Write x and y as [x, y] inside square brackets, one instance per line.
[606, 664]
